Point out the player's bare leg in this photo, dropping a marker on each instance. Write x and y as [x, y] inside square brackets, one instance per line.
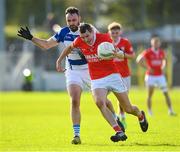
[122, 115]
[169, 104]
[75, 95]
[149, 99]
[111, 108]
[126, 105]
[100, 97]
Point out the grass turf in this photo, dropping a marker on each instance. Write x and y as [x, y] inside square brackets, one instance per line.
[40, 121]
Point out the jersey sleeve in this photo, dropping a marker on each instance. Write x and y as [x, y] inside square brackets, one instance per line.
[129, 48]
[144, 54]
[59, 37]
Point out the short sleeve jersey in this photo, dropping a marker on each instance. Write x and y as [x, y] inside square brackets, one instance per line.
[97, 68]
[74, 60]
[122, 64]
[154, 60]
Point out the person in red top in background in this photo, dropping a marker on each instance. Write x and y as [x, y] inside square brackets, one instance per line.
[104, 78]
[153, 60]
[123, 44]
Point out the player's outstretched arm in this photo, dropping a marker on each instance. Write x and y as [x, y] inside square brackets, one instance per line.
[63, 54]
[45, 44]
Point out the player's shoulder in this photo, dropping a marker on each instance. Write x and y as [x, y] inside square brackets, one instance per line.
[78, 38]
[102, 36]
[64, 30]
[146, 52]
[77, 41]
[124, 39]
[59, 37]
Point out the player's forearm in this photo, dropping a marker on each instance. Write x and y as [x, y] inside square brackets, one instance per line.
[140, 60]
[164, 62]
[41, 43]
[64, 53]
[142, 64]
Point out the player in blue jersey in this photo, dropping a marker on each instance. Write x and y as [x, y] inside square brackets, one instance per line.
[77, 75]
[76, 67]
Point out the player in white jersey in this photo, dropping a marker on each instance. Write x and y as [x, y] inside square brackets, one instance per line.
[77, 75]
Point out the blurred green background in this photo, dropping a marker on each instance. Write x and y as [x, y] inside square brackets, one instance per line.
[140, 20]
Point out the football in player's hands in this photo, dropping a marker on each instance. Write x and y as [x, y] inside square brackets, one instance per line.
[105, 50]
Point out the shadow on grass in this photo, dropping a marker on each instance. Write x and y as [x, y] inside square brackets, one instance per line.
[159, 144]
[132, 144]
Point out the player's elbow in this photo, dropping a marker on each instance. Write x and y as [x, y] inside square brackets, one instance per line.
[46, 46]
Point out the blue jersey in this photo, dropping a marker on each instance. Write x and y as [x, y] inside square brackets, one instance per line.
[74, 60]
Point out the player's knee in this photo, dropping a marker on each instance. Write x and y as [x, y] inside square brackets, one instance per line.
[108, 102]
[99, 103]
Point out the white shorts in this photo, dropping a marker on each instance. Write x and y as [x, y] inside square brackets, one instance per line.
[156, 81]
[79, 77]
[127, 81]
[111, 82]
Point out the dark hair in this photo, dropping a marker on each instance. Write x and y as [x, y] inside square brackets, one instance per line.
[154, 35]
[83, 27]
[72, 10]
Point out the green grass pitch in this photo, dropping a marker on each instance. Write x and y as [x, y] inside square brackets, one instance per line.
[40, 121]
